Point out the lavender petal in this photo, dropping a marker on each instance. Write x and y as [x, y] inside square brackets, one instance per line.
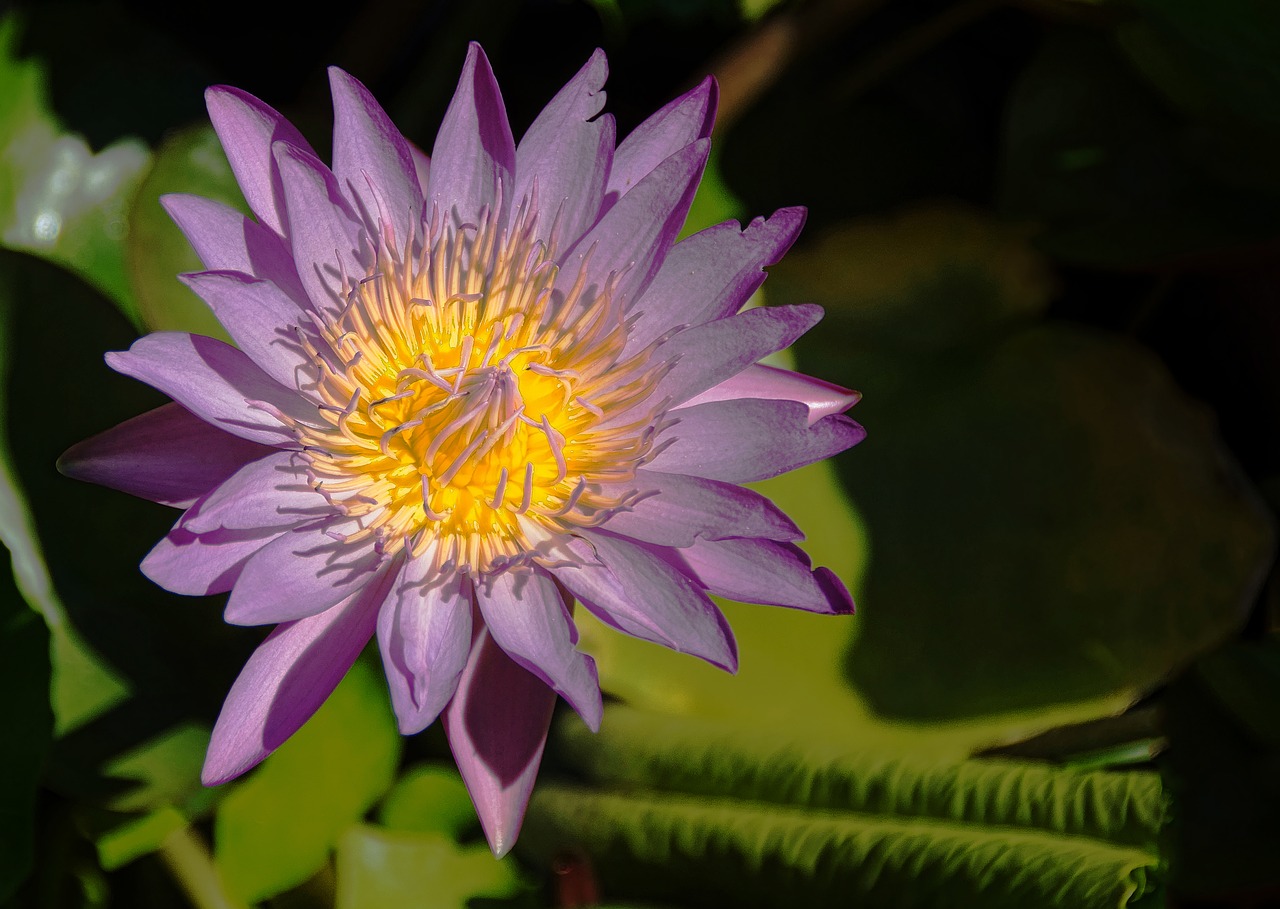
[767, 572]
[528, 618]
[287, 679]
[497, 728]
[300, 573]
[167, 455]
[675, 510]
[372, 161]
[216, 382]
[474, 156]
[629, 587]
[247, 129]
[711, 275]
[424, 634]
[770, 383]
[767, 438]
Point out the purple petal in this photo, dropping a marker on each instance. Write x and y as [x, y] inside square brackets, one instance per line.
[768, 572]
[273, 492]
[216, 382]
[770, 383]
[199, 564]
[529, 619]
[474, 156]
[681, 123]
[675, 510]
[566, 152]
[300, 573]
[247, 129]
[711, 275]
[497, 727]
[226, 240]
[324, 234]
[263, 321]
[708, 354]
[167, 455]
[746, 440]
[633, 236]
[372, 161]
[287, 679]
[424, 633]
[635, 591]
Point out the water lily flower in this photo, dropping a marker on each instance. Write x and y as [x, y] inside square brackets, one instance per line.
[468, 394]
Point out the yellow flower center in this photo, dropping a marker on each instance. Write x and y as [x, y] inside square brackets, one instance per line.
[469, 401]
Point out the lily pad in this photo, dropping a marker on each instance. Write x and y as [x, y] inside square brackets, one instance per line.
[698, 851]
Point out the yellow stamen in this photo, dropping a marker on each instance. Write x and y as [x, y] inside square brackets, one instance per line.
[467, 397]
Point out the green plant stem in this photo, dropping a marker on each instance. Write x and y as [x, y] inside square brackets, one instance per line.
[188, 859]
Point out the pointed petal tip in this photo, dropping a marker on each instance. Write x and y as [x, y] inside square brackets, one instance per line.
[836, 591]
[501, 823]
[219, 770]
[792, 212]
[476, 59]
[71, 463]
[711, 88]
[117, 360]
[212, 778]
[342, 81]
[215, 93]
[499, 844]
[219, 98]
[410, 725]
[170, 201]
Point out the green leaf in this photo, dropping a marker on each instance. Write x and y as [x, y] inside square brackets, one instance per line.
[82, 686]
[140, 836]
[58, 199]
[164, 770]
[27, 722]
[695, 757]
[165, 785]
[274, 830]
[189, 161]
[1038, 478]
[383, 869]
[696, 851]
[429, 798]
